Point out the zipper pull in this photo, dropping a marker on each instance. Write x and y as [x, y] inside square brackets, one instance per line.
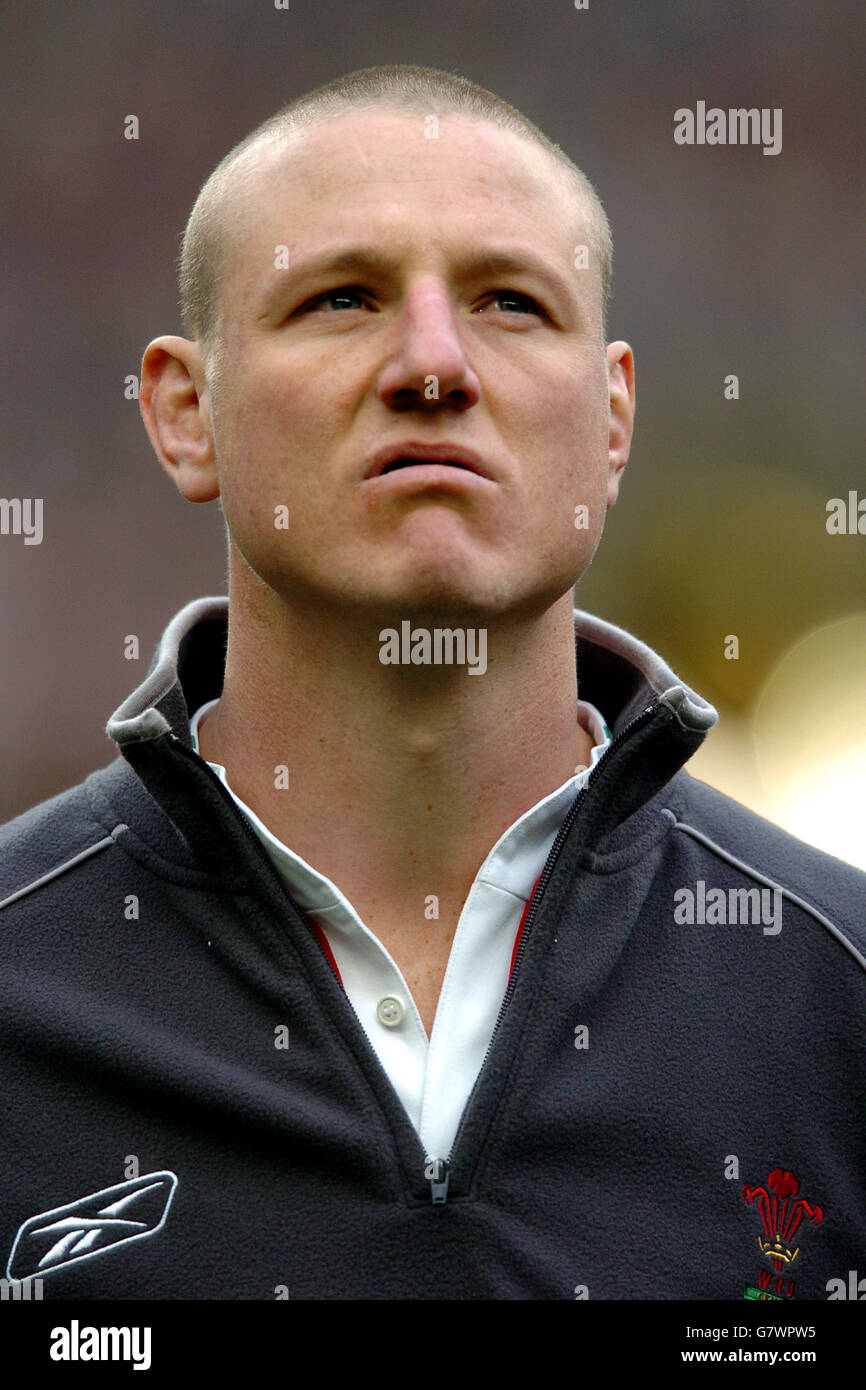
[437, 1171]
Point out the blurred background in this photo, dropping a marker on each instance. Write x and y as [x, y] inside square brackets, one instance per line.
[727, 262]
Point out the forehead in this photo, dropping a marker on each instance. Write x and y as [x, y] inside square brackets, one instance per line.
[413, 179]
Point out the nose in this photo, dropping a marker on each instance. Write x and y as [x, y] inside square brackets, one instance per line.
[427, 366]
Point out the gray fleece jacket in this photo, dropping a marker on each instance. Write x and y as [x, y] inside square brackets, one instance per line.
[673, 1104]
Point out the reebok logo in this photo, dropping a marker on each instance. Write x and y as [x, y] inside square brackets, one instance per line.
[91, 1226]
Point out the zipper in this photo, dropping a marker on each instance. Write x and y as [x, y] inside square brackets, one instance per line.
[438, 1171]
[438, 1174]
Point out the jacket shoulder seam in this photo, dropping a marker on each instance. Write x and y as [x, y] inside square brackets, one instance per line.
[62, 868]
[769, 883]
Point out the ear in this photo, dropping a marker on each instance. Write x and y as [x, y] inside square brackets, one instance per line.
[175, 407]
[620, 367]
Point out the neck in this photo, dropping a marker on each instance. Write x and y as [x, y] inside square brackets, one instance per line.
[400, 777]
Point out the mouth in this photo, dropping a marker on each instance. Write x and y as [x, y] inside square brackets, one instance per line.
[420, 463]
[399, 458]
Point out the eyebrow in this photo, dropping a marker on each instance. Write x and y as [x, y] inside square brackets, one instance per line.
[359, 260]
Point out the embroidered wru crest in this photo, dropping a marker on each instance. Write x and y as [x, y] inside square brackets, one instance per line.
[782, 1214]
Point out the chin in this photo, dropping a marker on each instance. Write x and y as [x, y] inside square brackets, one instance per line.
[452, 601]
[473, 598]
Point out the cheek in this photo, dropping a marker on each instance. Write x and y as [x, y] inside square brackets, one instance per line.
[268, 408]
[276, 438]
[565, 398]
[269, 437]
[562, 431]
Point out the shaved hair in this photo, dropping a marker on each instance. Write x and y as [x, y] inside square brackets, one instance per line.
[397, 87]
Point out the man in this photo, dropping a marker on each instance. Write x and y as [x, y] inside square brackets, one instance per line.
[397, 956]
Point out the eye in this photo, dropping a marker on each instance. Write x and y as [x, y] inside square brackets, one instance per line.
[338, 296]
[510, 298]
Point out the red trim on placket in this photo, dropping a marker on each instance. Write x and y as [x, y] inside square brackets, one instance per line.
[520, 927]
[323, 942]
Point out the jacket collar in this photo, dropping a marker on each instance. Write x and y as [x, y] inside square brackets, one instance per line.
[657, 721]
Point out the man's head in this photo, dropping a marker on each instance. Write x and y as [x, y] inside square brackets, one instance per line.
[398, 259]
[422, 92]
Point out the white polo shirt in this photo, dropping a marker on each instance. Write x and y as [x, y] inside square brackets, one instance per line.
[434, 1077]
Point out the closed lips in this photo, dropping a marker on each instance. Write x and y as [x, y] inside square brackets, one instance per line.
[415, 462]
[414, 453]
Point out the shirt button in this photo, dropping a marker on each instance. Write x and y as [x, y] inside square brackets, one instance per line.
[390, 1011]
